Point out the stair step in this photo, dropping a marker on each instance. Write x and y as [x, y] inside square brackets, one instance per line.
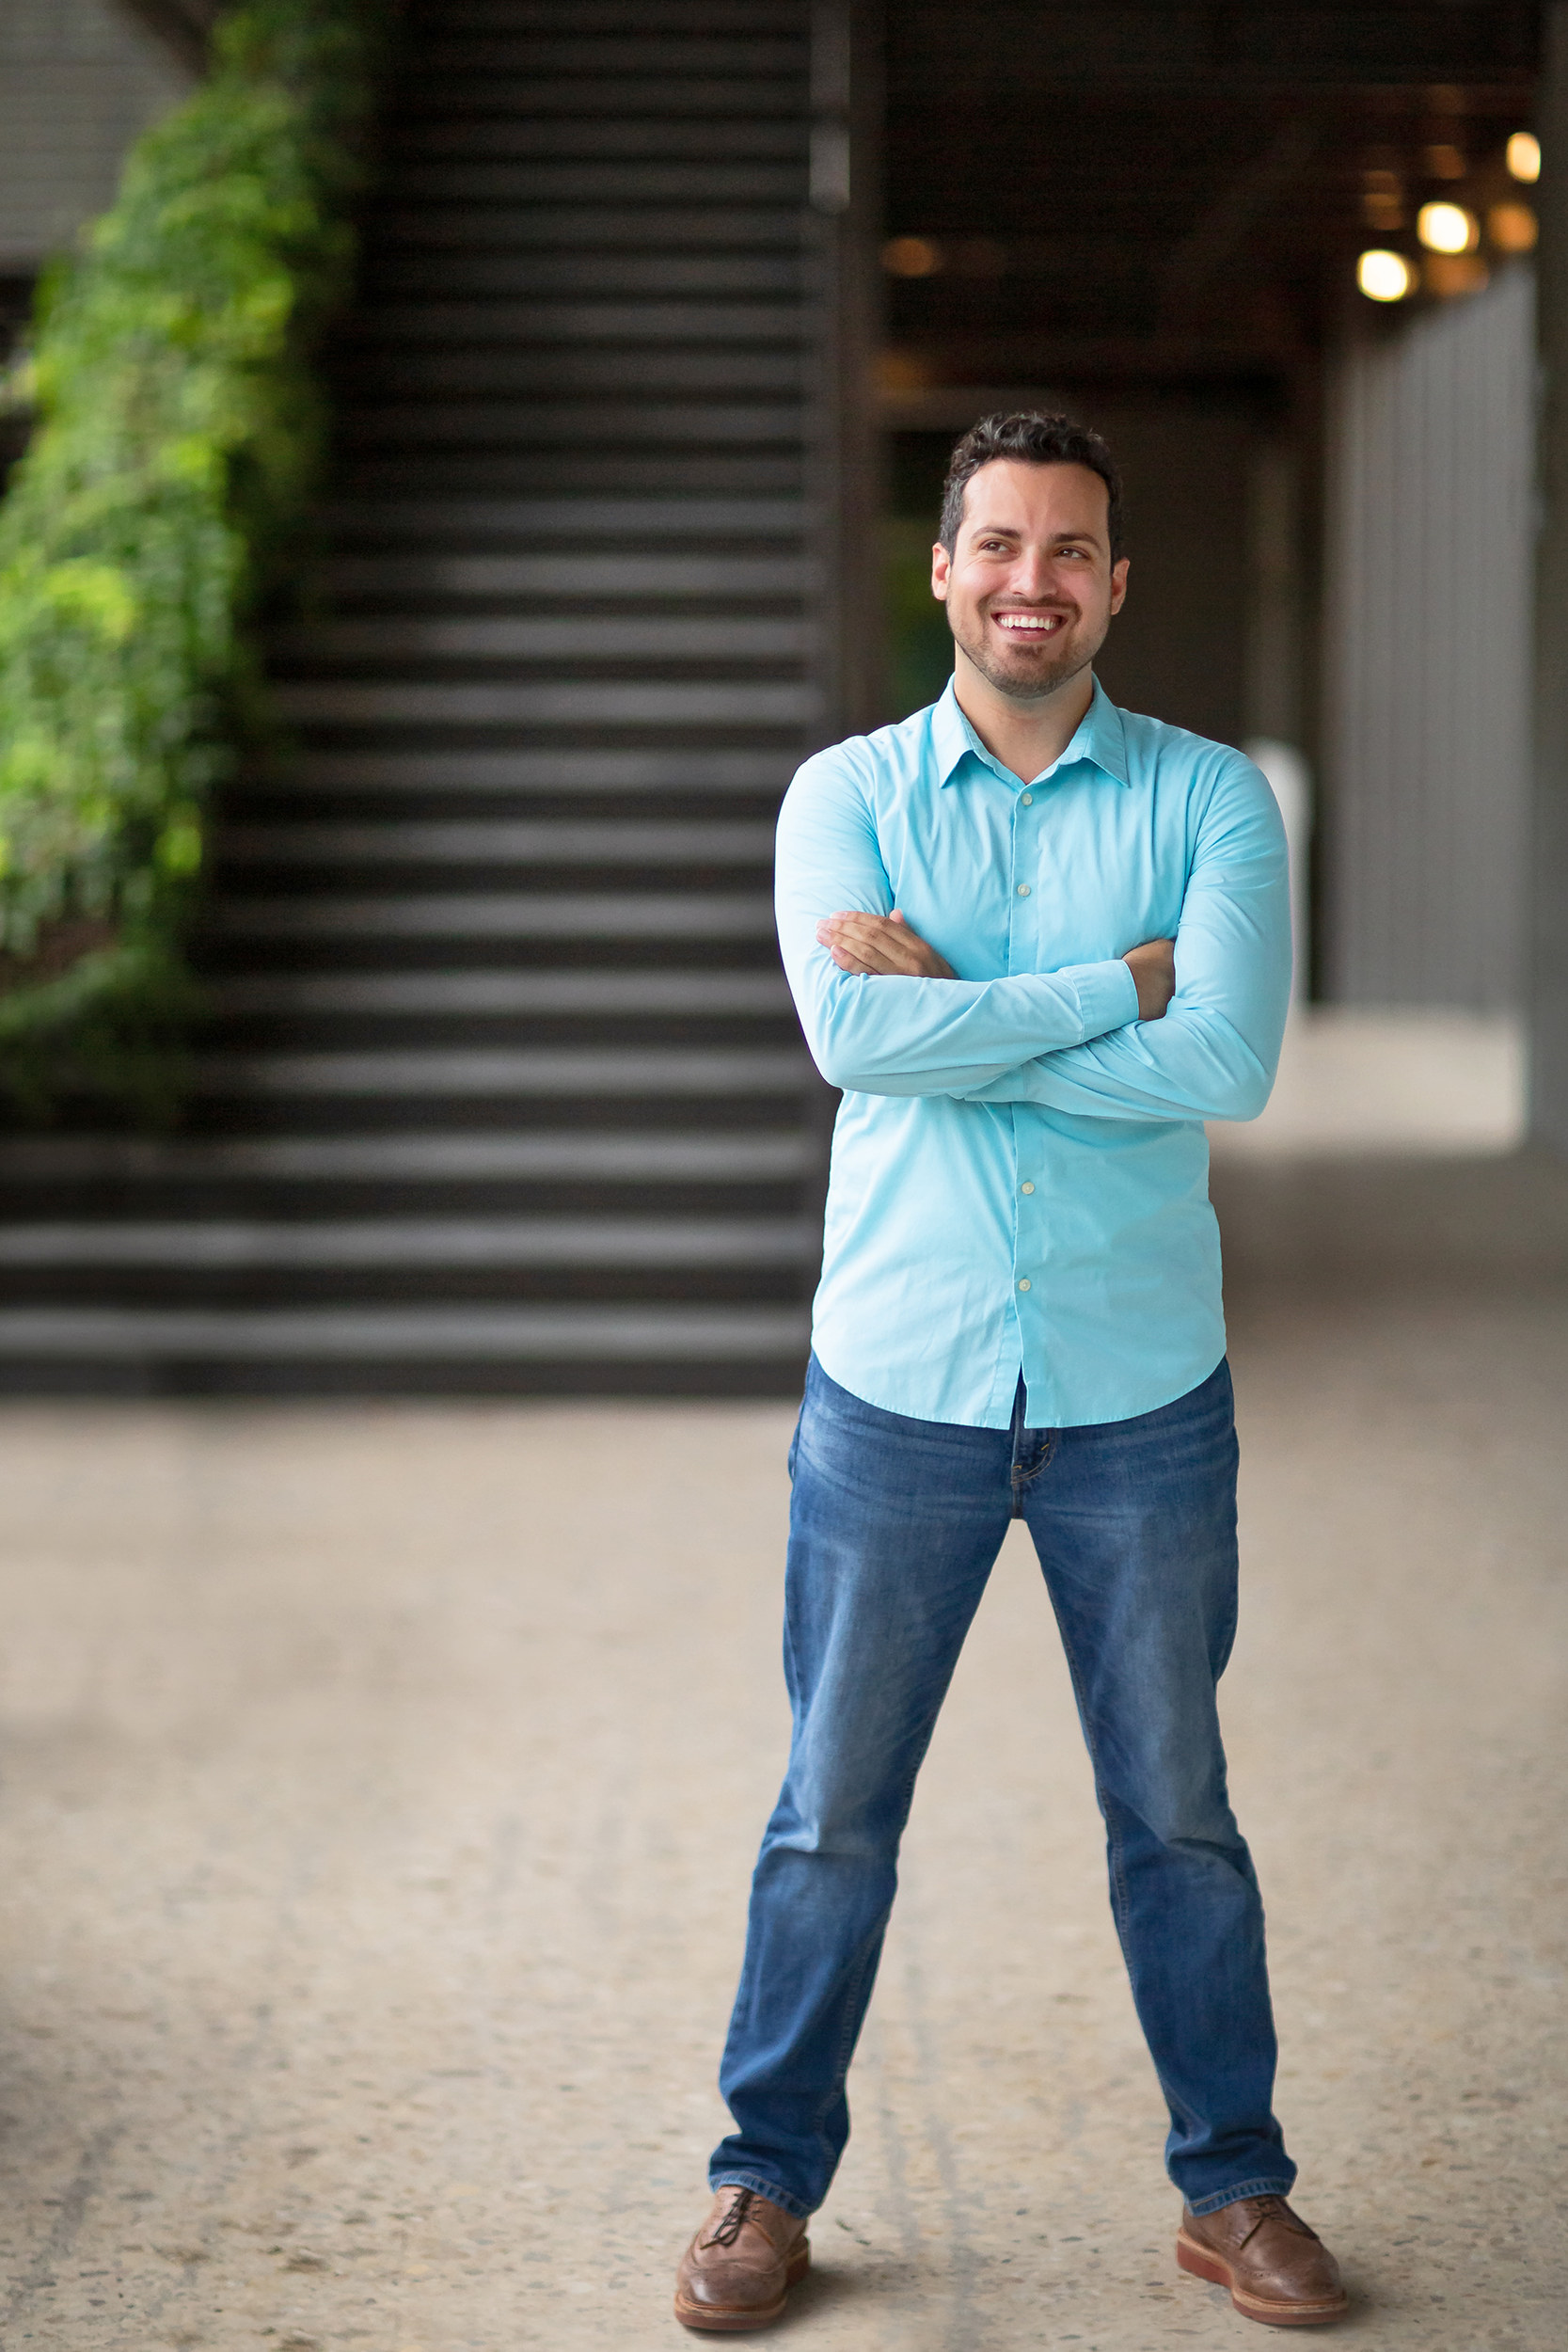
[477, 372]
[484, 993]
[598, 181]
[544, 1070]
[221, 1244]
[527, 842]
[640, 1155]
[522, 915]
[602, 578]
[522, 424]
[610, 53]
[570, 233]
[372, 472]
[404, 276]
[514, 99]
[542, 322]
[580, 17]
[604, 139]
[591, 703]
[576, 520]
[576, 639]
[375, 1336]
[567, 770]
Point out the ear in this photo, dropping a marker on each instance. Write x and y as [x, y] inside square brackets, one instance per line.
[941, 567]
[1119, 584]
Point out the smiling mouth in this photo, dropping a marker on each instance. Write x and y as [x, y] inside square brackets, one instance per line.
[1030, 624]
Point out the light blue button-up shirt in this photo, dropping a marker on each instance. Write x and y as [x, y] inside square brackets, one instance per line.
[1020, 1173]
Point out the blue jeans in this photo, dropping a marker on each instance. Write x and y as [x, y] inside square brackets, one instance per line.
[895, 1527]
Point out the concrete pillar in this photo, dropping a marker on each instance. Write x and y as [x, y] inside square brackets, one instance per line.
[1549, 860]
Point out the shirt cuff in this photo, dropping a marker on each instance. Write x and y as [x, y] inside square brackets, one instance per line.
[1107, 996]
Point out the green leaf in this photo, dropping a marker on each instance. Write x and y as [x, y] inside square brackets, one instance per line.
[179, 428]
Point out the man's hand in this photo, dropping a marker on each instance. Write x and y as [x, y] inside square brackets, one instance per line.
[885, 943]
[1154, 967]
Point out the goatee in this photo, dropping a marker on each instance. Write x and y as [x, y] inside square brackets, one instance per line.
[1025, 679]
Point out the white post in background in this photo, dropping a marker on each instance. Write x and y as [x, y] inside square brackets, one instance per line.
[1290, 781]
[1548, 854]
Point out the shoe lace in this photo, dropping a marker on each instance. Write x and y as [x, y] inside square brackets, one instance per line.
[731, 2226]
[1266, 2207]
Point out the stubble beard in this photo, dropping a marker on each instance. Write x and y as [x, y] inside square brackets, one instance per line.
[1027, 678]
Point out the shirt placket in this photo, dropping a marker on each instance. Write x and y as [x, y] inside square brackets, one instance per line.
[1023, 956]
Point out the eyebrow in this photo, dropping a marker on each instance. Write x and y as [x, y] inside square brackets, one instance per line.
[1011, 531]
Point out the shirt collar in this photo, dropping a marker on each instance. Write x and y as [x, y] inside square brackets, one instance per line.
[1099, 739]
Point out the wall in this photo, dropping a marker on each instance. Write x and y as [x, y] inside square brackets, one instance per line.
[1427, 616]
[78, 81]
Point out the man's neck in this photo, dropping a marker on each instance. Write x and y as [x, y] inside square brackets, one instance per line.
[1024, 737]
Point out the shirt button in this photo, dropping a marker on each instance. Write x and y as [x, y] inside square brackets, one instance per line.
[1024, 1282]
[1026, 800]
[1027, 1187]
[1023, 890]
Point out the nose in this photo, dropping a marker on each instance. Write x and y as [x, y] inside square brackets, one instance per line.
[1032, 574]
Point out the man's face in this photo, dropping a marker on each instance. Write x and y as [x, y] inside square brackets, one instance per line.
[1030, 587]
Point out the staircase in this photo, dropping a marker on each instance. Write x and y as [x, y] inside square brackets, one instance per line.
[505, 1092]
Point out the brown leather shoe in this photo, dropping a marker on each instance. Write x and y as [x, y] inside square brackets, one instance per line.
[1277, 2269]
[738, 2271]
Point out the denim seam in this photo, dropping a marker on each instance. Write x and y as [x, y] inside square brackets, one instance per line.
[1120, 1897]
[846, 2050]
[1119, 1877]
[853, 2019]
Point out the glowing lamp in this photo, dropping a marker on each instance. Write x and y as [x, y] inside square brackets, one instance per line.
[1384, 277]
[1524, 156]
[1447, 229]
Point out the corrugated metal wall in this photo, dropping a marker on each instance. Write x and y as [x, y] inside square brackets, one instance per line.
[1426, 633]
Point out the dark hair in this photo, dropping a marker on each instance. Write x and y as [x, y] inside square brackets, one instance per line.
[1029, 439]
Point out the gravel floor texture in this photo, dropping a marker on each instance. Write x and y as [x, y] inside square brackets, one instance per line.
[380, 1787]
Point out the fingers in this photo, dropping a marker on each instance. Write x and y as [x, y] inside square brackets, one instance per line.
[882, 945]
[870, 943]
[839, 949]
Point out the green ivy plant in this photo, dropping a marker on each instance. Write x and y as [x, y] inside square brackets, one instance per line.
[177, 441]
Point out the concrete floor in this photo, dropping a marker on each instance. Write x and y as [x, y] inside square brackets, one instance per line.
[380, 1787]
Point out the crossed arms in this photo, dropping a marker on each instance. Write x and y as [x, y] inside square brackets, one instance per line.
[883, 945]
[1154, 1033]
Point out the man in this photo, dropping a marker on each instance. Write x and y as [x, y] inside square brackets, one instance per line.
[1037, 941]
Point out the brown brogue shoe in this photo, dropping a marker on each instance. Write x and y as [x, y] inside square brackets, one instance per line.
[1277, 2268]
[738, 2271]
